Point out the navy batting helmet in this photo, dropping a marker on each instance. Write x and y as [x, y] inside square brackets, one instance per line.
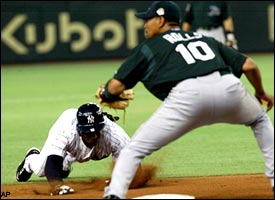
[89, 118]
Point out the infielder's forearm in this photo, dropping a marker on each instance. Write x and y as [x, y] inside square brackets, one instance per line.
[115, 87]
[253, 74]
[111, 90]
[228, 25]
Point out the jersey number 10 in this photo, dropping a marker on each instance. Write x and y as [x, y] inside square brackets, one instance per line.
[192, 52]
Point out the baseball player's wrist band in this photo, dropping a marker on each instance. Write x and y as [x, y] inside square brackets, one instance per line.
[230, 35]
[107, 96]
[228, 32]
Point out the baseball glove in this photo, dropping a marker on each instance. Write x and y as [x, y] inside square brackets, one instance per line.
[121, 103]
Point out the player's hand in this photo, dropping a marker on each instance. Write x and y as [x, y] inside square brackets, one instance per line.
[61, 190]
[121, 102]
[231, 40]
[266, 100]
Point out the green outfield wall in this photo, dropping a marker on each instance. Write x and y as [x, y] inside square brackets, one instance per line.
[35, 31]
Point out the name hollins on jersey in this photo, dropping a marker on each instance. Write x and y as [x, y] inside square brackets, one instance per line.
[178, 37]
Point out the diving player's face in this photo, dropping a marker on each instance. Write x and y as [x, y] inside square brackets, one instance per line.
[89, 139]
[151, 27]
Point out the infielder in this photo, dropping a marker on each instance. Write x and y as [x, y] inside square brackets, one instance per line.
[78, 135]
[197, 78]
[211, 18]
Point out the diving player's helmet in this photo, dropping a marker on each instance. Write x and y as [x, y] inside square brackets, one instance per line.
[89, 119]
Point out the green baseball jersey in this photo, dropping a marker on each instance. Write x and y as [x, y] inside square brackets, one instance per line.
[164, 60]
[206, 14]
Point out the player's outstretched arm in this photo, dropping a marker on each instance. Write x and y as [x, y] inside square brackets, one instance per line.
[53, 169]
[253, 74]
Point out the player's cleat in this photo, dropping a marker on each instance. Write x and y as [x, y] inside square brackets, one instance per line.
[21, 173]
[111, 197]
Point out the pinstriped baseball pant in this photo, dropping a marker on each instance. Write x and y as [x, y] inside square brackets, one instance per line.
[191, 104]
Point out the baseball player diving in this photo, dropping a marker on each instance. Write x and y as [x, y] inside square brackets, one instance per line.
[78, 135]
[198, 80]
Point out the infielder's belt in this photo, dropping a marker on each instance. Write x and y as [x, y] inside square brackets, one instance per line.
[221, 71]
[224, 71]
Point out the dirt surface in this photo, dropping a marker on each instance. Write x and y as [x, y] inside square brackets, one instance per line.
[217, 187]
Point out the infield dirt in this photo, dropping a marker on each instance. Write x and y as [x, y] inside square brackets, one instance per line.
[255, 186]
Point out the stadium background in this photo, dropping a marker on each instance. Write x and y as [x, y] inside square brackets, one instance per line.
[34, 31]
[41, 44]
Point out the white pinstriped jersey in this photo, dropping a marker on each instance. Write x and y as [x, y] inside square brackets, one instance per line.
[64, 140]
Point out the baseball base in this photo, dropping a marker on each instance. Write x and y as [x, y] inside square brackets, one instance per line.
[165, 196]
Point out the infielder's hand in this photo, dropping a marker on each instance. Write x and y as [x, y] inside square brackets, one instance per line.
[122, 101]
[61, 190]
[266, 100]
